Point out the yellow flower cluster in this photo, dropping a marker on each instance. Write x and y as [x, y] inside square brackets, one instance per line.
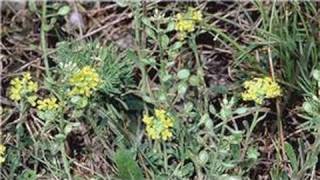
[159, 126]
[84, 82]
[2, 153]
[185, 23]
[260, 88]
[47, 104]
[23, 88]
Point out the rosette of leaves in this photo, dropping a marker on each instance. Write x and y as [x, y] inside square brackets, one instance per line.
[114, 67]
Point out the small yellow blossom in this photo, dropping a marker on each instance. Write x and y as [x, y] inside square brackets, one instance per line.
[159, 126]
[166, 134]
[47, 104]
[32, 86]
[2, 153]
[259, 89]
[147, 120]
[186, 23]
[196, 16]
[84, 82]
[26, 77]
[23, 88]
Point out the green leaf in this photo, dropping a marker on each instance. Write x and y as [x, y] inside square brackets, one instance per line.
[147, 22]
[164, 40]
[307, 106]
[79, 101]
[228, 177]
[186, 170]
[253, 153]
[60, 137]
[311, 161]
[241, 110]
[127, 166]
[177, 45]
[28, 174]
[170, 26]
[182, 88]
[194, 80]
[149, 61]
[122, 3]
[203, 157]
[46, 115]
[166, 77]
[183, 74]
[291, 155]
[68, 128]
[212, 109]
[32, 5]
[64, 10]
[316, 75]
[47, 27]
[150, 33]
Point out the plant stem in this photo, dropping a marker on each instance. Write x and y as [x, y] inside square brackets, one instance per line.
[165, 156]
[65, 161]
[279, 120]
[43, 37]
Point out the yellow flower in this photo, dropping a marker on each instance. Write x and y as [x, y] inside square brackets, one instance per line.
[23, 88]
[186, 23]
[160, 114]
[167, 123]
[259, 89]
[196, 16]
[15, 94]
[84, 82]
[32, 86]
[152, 132]
[47, 104]
[26, 77]
[147, 119]
[159, 126]
[2, 153]
[16, 82]
[166, 134]
[182, 35]
[2, 149]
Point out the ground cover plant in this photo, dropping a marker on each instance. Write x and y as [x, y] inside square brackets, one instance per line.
[160, 90]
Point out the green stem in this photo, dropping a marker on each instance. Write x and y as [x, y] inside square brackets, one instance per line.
[249, 132]
[144, 75]
[200, 73]
[43, 37]
[165, 156]
[65, 161]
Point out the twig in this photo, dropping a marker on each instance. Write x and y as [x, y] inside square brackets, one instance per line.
[108, 25]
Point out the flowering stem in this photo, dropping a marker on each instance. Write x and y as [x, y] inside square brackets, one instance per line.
[279, 120]
[43, 37]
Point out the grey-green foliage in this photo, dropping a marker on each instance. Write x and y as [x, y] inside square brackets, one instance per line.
[114, 67]
[311, 112]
